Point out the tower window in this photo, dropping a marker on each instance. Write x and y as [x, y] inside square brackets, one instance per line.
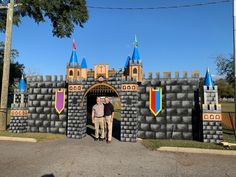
[78, 73]
[71, 73]
[135, 71]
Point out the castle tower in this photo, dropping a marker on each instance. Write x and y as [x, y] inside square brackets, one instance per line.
[211, 112]
[84, 69]
[73, 68]
[133, 66]
[19, 109]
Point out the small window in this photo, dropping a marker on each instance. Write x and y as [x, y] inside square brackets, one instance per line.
[135, 71]
[71, 73]
[78, 73]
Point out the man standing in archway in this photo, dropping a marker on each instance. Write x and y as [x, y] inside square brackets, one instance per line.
[98, 119]
[109, 115]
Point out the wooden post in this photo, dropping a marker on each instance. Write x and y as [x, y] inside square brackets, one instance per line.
[6, 66]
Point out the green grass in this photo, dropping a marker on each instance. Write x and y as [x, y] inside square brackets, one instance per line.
[228, 135]
[154, 144]
[38, 136]
[227, 107]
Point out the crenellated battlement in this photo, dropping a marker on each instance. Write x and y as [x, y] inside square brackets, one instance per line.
[170, 75]
[135, 62]
[47, 78]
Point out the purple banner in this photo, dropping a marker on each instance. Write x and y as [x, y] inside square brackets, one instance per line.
[60, 101]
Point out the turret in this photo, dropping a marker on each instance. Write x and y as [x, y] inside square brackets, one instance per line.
[133, 66]
[72, 68]
[84, 69]
[20, 94]
[211, 111]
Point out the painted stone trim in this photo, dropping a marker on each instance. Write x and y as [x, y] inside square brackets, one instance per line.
[129, 87]
[75, 88]
[19, 113]
[212, 117]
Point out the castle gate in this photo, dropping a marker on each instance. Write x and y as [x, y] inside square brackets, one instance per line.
[82, 94]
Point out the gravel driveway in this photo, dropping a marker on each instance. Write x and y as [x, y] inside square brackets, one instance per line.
[69, 157]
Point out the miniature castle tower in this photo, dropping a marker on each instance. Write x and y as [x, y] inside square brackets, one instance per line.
[133, 66]
[84, 69]
[73, 69]
[19, 109]
[211, 112]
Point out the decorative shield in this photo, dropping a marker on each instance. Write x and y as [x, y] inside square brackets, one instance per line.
[155, 100]
[60, 101]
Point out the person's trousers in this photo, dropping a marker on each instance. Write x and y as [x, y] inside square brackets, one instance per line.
[99, 122]
[109, 123]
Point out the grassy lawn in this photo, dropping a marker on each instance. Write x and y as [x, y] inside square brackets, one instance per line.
[38, 136]
[227, 107]
[154, 144]
[228, 135]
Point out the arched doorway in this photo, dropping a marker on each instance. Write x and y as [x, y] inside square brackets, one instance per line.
[103, 90]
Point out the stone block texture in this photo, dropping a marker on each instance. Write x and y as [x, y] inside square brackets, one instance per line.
[129, 117]
[18, 124]
[212, 132]
[77, 115]
[42, 115]
[178, 102]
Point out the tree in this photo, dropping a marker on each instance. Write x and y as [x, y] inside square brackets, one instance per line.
[16, 70]
[225, 89]
[225, 66]
[63, 14]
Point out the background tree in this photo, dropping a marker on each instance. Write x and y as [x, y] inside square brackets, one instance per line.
[225, 66]
[225, 89]
[63, 14]
[16, 70]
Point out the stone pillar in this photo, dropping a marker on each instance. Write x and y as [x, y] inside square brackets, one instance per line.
[129, 117]
[211, 116]
[77, 109]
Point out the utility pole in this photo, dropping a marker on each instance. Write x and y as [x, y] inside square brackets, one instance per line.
[234, 55]
[6, 66]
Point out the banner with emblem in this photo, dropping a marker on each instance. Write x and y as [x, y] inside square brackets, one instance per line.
[60, 100]
[155, 100]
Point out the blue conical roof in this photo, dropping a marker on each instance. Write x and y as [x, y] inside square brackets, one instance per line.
[22, 85]
[73, 58]
[127, 61]
[84, 63]
[208, 79]
[135, 55]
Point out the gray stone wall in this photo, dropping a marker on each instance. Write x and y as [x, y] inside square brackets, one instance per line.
[178, 102]
[129, 117]
[212, 131]
[77, 115]
[18, 124]
[41, 100]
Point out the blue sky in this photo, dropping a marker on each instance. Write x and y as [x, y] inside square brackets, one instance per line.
[171, 40]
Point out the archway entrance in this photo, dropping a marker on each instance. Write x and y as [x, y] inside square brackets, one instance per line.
[103, 90]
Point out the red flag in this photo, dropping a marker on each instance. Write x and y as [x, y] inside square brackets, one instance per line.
[74, 45]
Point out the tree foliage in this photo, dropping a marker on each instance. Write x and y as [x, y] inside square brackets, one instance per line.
[225, 89]
[16, 69]
[63, 14]
[225, 66]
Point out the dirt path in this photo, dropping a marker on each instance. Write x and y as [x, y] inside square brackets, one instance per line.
[70, 158]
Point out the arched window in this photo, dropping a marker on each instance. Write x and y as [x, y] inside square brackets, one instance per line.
[135, 71]
[71, 73]
[78, 72]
